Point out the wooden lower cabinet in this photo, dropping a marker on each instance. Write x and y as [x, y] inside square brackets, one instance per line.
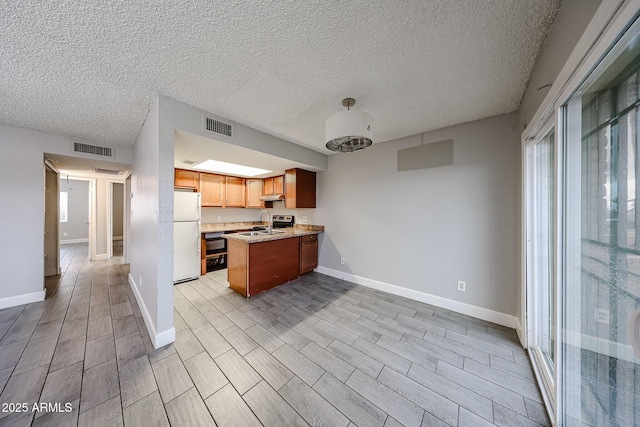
[308, 253]
[256, 267]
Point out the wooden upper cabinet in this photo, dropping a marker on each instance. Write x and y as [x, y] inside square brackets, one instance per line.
[273, 185]
[300, 189]
[278, 184]
[235, 192]
[267, 187]
[186, 179]
[254, 192]
[212, 188]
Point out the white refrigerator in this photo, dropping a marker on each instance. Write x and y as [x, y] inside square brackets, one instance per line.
[186, 236]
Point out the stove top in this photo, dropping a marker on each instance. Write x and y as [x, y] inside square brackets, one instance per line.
[283, 221]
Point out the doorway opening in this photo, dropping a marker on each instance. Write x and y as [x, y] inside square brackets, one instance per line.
[117, 214]
[51, 212]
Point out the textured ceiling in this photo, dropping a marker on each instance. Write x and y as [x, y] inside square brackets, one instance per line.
[90, 70]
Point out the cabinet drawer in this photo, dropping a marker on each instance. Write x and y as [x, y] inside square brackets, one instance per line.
[310, 238]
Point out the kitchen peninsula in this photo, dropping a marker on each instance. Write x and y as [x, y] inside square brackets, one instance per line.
[262, 261]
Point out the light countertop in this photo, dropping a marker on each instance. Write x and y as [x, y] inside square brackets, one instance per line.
[287, 233]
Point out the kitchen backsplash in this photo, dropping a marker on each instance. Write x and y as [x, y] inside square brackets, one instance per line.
[210, 215]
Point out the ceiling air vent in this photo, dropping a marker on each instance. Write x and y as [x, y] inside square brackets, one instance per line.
[107, 171]
[93, 150]
[218, 127]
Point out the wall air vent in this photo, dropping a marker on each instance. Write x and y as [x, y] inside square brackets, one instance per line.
[93, 150]
[218, 127]
[107, 171]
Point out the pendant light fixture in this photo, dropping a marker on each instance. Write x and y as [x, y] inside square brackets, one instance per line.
[349, 130]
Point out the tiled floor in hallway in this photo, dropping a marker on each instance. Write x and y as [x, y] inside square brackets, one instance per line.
[317, 351]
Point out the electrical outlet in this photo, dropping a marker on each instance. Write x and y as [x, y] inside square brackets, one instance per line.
[462, 286]
[65, 234]
[219, 219]
[342, 261]
[304, 218]
[601, 315]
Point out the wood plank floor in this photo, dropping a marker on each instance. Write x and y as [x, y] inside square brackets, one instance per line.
[317, 351]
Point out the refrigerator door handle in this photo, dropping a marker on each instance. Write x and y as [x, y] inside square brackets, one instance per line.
[199, 239]
[634, 331]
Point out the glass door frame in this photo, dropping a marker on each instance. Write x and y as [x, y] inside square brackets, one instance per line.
[547, 379]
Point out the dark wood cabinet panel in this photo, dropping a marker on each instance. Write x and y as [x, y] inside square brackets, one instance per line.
[186, 179]
[272, 263]
[308, 253]
[256, 267]
[300, 189]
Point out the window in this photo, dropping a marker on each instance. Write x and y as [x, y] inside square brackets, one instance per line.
[64, 206]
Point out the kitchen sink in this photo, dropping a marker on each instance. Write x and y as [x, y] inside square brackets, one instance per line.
[252, 233]
[260, 233]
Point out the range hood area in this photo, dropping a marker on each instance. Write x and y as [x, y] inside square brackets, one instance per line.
[272, 198]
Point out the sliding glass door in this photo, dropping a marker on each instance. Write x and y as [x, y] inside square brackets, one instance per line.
[582, 258]
[600, 380]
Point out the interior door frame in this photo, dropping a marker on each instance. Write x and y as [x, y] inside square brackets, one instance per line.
[54, 169]
[110, 184]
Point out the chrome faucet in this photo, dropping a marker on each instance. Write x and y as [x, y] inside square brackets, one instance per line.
[269, 218]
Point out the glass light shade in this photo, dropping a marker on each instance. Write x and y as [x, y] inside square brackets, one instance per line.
[348, 131]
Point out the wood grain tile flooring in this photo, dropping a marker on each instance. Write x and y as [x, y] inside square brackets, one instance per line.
[317, 351]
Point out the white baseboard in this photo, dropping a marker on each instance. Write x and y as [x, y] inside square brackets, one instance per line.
[117, 237]
[22, 299]
[448, 304]
[159, 339]
[100, 257]
[70, 241]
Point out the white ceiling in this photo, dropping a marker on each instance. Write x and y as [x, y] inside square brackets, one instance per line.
[84, 167]
[196, 148]
[90, 70]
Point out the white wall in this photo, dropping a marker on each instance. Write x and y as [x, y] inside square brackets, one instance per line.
[22, 197]
[571, 21]
[78, 210]
[145, 243]
[424, 230]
